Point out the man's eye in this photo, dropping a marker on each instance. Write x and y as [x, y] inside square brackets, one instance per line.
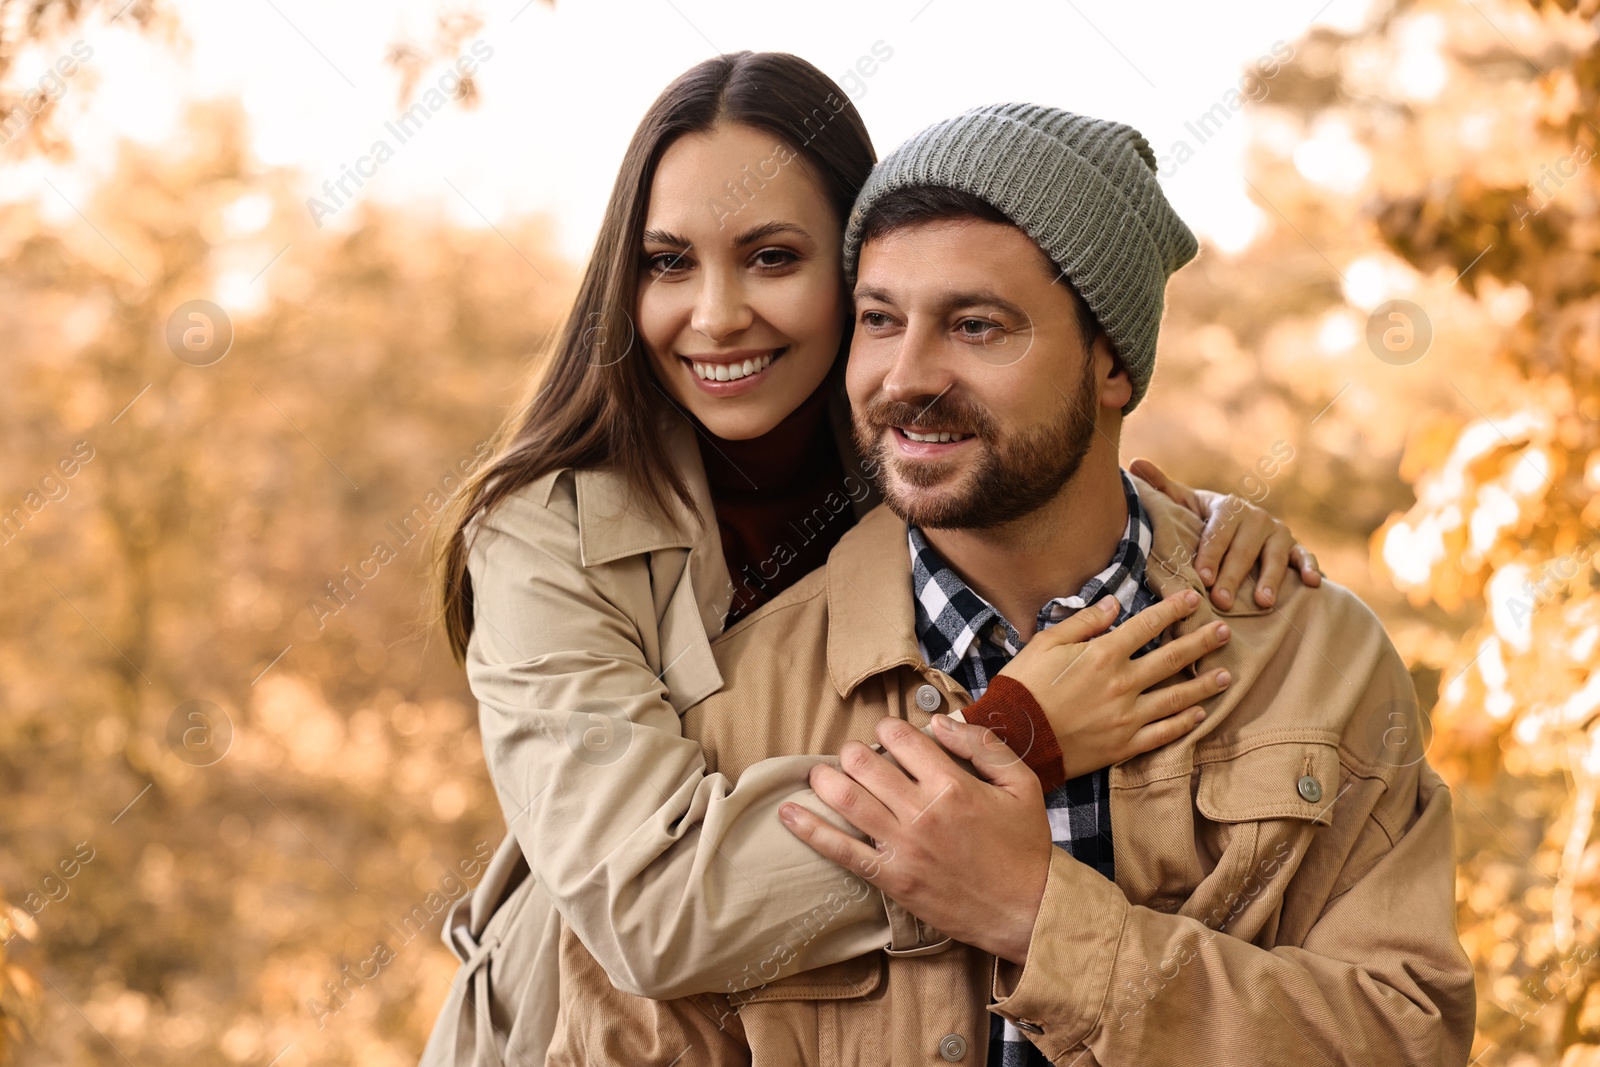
[975, 327]
[874, 319]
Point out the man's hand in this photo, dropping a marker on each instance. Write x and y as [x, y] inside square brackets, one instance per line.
[967, 855]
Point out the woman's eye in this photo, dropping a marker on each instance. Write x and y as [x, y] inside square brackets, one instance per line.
[775, 257]
[666, 263]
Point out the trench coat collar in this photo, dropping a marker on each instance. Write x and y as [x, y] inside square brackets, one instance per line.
[613, 522]
[871, 628]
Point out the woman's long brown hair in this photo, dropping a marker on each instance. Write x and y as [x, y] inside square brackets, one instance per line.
[595, 403]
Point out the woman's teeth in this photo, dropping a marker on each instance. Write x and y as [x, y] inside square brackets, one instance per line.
[935, 438]
[731, 372]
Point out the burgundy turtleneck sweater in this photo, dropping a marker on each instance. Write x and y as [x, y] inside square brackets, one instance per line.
[782, 503]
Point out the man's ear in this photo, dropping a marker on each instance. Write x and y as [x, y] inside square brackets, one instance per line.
[1116, 388]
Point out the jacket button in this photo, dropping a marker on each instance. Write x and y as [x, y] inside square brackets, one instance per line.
[927, 698]
[952, 1047]
[1310, 788]
[1028, 1028]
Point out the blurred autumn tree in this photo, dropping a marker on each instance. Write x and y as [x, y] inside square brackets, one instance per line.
[1441, 157]
[188, 556]
[233, 762]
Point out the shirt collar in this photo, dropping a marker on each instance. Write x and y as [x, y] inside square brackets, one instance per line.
[871, 621]
[950, 615]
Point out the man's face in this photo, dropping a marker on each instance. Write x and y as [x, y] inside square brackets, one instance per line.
[972, 385]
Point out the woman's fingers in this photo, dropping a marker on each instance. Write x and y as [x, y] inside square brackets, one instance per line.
[1169, 700]
[1164, 731]
[1274, 565]
[1249, 533]
[1149, 624]
[1180, 652]
[1302, 560]
[1081, 626]
[1221, 517]
[1143, 468]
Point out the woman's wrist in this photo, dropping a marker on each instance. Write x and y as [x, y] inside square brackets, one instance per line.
[1009, 709]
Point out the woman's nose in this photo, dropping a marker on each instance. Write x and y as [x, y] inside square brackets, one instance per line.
[721, 310]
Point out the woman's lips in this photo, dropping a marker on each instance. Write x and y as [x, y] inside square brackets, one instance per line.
[732, 373]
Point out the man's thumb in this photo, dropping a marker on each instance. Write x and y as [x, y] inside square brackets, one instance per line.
[983, 748]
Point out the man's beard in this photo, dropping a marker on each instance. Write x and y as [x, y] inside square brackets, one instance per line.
[1014, 476]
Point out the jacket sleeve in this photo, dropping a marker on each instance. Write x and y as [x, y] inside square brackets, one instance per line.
[1380, 977]
[679, 881]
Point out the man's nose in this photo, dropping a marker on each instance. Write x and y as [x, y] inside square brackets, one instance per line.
[721, 309]
[919, 368]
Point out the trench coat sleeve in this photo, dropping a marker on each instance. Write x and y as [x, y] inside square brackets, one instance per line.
[1380, 976]
[679, 881]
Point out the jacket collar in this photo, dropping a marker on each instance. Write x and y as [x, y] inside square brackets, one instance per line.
[871, 622]
[613, 523]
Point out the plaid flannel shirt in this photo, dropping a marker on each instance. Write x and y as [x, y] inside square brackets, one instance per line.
[963, 635]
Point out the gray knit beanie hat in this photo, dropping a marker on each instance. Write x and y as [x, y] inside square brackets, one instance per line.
[1084, 189]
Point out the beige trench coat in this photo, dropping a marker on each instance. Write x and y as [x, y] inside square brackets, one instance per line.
[593, 635]
[1285, 873]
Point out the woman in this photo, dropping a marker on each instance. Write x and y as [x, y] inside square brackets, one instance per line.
[685, 459]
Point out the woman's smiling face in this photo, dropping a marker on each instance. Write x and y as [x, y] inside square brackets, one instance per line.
[741, 300]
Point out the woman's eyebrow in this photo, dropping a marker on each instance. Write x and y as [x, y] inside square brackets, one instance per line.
[769, 229]
[663, 237]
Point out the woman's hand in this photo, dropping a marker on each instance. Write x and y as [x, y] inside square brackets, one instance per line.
[1098, 698]
[1237, 534]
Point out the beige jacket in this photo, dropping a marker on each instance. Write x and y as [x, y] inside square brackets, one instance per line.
[593, 635]
[1285, 874]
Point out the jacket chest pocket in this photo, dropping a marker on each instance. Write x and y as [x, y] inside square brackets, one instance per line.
[1261, 806]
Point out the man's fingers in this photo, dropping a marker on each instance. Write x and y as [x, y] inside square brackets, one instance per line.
[919, 755]
[855, 803]
[984, 749]
[1179, 653]
[877, 775]
[1274, 565]
[831, 842]
[1249, 534]
[1302, 560]
[1150, 623]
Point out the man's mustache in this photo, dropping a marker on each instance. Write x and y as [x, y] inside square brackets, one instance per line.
[945, 413]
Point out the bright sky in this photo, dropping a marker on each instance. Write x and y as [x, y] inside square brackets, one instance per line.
[564, 88]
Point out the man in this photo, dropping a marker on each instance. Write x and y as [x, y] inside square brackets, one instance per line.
[1275, 887]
